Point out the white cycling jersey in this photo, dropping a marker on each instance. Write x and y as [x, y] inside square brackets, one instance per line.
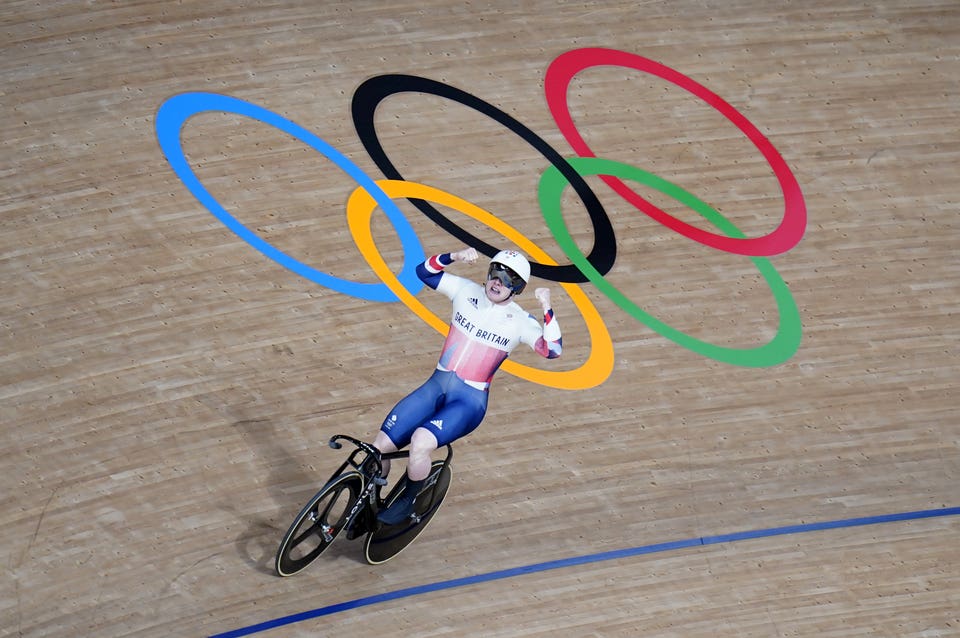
[482, 333]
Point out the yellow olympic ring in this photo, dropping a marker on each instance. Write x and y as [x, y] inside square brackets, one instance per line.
[360, 207]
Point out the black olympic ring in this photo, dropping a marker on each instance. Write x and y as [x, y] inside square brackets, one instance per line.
[373, 91]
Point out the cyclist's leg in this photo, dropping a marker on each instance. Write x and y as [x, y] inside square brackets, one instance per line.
[461, 411]
[459, 415]
[385, 445]
[397, 429]
[423, 443]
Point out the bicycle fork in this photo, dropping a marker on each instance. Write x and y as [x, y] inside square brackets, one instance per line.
[327, 531]
[368, 495]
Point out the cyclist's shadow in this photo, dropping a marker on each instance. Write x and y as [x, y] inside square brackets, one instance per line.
[289, 484]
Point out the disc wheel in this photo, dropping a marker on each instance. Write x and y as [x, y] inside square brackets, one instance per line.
[318, 523]
[389, 540]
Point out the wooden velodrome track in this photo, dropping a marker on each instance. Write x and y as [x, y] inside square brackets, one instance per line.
[167, 389]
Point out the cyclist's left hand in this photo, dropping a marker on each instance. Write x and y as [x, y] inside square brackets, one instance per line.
[543, 296]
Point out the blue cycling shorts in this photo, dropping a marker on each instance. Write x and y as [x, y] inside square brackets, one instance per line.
[445, 405]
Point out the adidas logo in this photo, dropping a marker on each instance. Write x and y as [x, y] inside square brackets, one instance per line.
[473, 301]
[438, 423]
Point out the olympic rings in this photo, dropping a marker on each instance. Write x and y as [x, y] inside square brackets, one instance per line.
[592, 373]
[170, 120]
[791, 229]
[369, 194]
[779, 349]
[373, 91]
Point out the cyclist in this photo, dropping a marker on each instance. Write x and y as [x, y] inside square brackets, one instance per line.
[486, 326]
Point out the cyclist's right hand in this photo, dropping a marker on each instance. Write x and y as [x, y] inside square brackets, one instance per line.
[467, 255]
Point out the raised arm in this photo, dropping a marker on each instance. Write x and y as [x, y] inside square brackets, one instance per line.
[431, 270]
[550, 345]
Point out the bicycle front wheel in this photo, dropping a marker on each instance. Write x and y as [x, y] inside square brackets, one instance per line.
[318, 523]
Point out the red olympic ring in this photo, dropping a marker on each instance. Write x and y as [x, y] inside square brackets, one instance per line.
[791, 229]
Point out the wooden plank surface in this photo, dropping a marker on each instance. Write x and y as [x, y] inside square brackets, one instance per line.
[167, 390]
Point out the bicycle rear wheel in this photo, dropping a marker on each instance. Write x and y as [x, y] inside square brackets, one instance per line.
[318, 523]
[389, 540]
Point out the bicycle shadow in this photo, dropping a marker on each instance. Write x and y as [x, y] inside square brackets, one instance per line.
[289, 484]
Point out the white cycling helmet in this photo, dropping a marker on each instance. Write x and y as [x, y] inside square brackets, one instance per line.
[511, 268]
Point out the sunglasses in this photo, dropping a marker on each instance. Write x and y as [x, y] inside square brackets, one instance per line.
[507, 277]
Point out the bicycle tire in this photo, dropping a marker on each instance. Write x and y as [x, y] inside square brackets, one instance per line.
[387, 541]
[318, 524]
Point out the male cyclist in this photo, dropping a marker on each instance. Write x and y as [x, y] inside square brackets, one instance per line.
[486, 326]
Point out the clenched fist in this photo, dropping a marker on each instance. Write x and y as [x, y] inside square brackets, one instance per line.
[467, 255]
[543, 296]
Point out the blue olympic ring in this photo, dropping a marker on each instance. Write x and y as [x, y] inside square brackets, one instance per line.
[170, 120]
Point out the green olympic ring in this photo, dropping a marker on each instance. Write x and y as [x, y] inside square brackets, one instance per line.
[783, 345]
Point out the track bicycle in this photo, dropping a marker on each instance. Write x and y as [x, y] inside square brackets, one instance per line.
[350, 501]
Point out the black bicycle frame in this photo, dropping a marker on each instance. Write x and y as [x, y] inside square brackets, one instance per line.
[375, 473]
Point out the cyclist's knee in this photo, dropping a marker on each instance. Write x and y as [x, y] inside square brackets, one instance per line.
[423, 441]
[422, 446]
